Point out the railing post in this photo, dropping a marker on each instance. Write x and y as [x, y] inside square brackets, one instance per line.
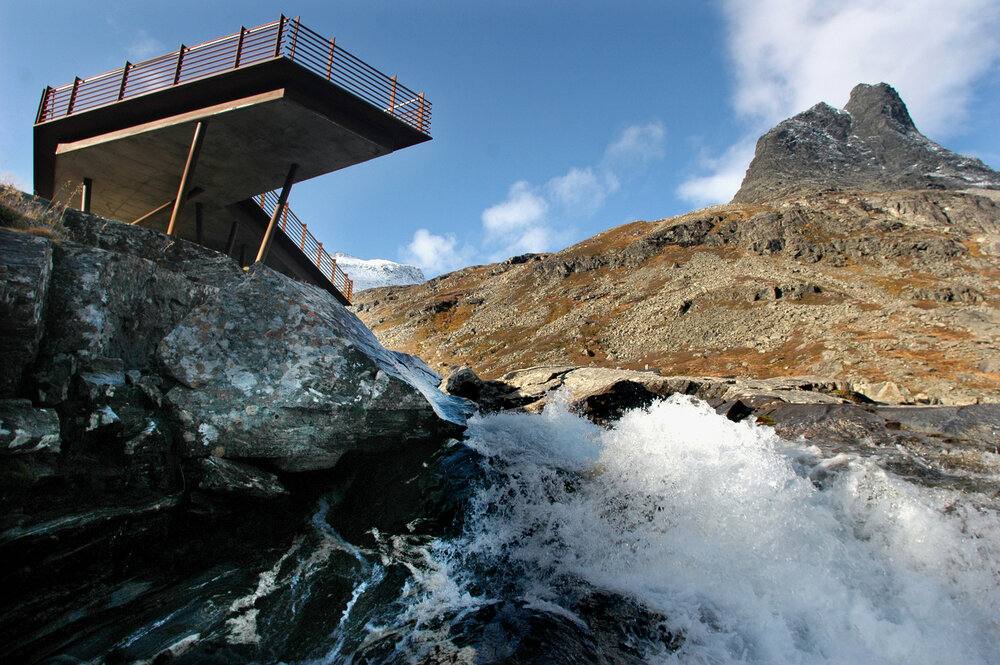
[333, 270]
[72, 95]
[284, 218]
[420, 126]
[239, 47]
[329, 61]
[302, 245]
[392, 97]
[319, 256]
[121, 88]
[295, 38]
[277, 41]
[41, 105]
[180, 62]
[350, 287]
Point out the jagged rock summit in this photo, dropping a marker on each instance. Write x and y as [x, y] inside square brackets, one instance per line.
[872, 144]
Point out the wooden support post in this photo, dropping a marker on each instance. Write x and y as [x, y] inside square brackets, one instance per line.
[350, 287]
[286, 188]
[420, 125]
[189, 166]
[392, 97]
[243, 255]
[88, 187]
[197, 223]
[231, 241]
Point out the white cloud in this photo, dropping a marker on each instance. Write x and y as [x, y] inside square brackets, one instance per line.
[581, 190]
[434, 254]
[520, 209]
[537, 219]
[790, 54]
[144, 46]
[637, 146]
[726, 174]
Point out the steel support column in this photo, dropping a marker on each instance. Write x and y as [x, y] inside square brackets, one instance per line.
[198, 223]
[189, 166]
[231, 241]
[85, 195]
[265, 243]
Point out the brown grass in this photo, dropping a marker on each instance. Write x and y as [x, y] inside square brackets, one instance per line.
[30, 214]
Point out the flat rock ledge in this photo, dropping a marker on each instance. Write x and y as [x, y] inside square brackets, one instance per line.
[956, 445]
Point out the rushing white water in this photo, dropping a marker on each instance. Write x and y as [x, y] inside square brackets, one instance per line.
[753, 549]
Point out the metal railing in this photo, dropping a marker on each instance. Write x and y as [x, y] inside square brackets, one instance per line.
[297, 232]
[284, 38]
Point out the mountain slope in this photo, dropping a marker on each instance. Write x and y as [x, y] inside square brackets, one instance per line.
[849, 253]
[901, 286]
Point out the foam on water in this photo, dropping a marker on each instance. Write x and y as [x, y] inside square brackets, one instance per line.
[754, 549]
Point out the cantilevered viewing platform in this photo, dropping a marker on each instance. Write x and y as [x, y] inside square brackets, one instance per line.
[205, 142]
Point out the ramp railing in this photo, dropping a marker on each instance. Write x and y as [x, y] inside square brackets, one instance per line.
[298, 233]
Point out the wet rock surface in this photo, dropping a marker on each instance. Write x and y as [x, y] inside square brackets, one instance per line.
[131, 490]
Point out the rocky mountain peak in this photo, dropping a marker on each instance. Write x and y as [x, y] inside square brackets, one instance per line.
[876, 109]
[872, 145]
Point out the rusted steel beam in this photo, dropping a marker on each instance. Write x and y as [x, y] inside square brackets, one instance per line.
[286, 188]
[189, 166]
[142, 221]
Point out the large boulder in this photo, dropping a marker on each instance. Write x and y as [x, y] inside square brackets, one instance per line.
[274, 369]
[25, 270]
[105, 304]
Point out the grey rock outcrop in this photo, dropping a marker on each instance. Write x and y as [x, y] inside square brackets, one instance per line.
[24, 429]
[276, 369]
[872, 144]
[25, 269]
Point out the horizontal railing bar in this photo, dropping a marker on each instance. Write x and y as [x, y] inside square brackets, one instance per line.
[286, 38]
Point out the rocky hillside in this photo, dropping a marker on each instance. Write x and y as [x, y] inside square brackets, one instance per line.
[861, 285]
[872, 144]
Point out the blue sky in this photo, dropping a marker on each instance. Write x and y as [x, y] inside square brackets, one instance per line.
[553, 120]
